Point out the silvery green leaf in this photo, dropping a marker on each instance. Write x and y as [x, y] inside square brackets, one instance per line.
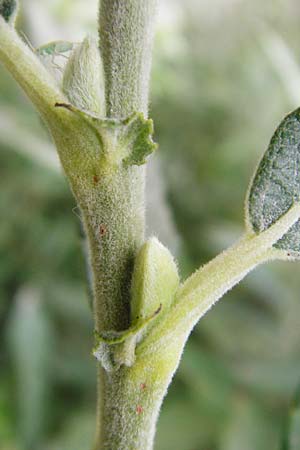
[154, 282]
[30, 338]
[276, 184]
[83, 80]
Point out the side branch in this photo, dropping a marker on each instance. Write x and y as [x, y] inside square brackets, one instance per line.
[29, 72]
[201, 291]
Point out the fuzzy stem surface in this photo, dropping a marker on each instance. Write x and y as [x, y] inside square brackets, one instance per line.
[125, 33]
[126, 36]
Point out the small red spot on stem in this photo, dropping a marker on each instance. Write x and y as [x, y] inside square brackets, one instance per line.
[139, 409]
[102, 230]
[95, 179]
[143, 386]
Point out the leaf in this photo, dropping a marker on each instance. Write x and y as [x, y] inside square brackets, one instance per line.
[155, 280]
[126, 142]
[178, 425]
[136, 137]
[76, 432]
[30, 337]
[276, 184]
[248, 426]
[83, 80]
[9, 10]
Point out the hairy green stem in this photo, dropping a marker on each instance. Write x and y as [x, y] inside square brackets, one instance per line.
[125, 32]
[133, 398]
[114, 221]
[126, 35]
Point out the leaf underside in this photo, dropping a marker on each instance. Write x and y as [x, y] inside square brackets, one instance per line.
[276, 184]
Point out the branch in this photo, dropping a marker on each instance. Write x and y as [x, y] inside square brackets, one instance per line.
[207, 285]
[30, 73]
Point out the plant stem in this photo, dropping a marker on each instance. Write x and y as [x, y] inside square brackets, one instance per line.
[125, 30]
[132, 407]
[114, 221]
[126, 35]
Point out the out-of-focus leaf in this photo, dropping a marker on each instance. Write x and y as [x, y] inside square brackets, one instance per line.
[269, 377]
[182, 426]
[76, 435]
[244, 320]
[209, 384]
[30, 338]
[248, 427]
[6, 412]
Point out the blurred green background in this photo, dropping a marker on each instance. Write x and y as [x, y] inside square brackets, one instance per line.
[224, 73]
